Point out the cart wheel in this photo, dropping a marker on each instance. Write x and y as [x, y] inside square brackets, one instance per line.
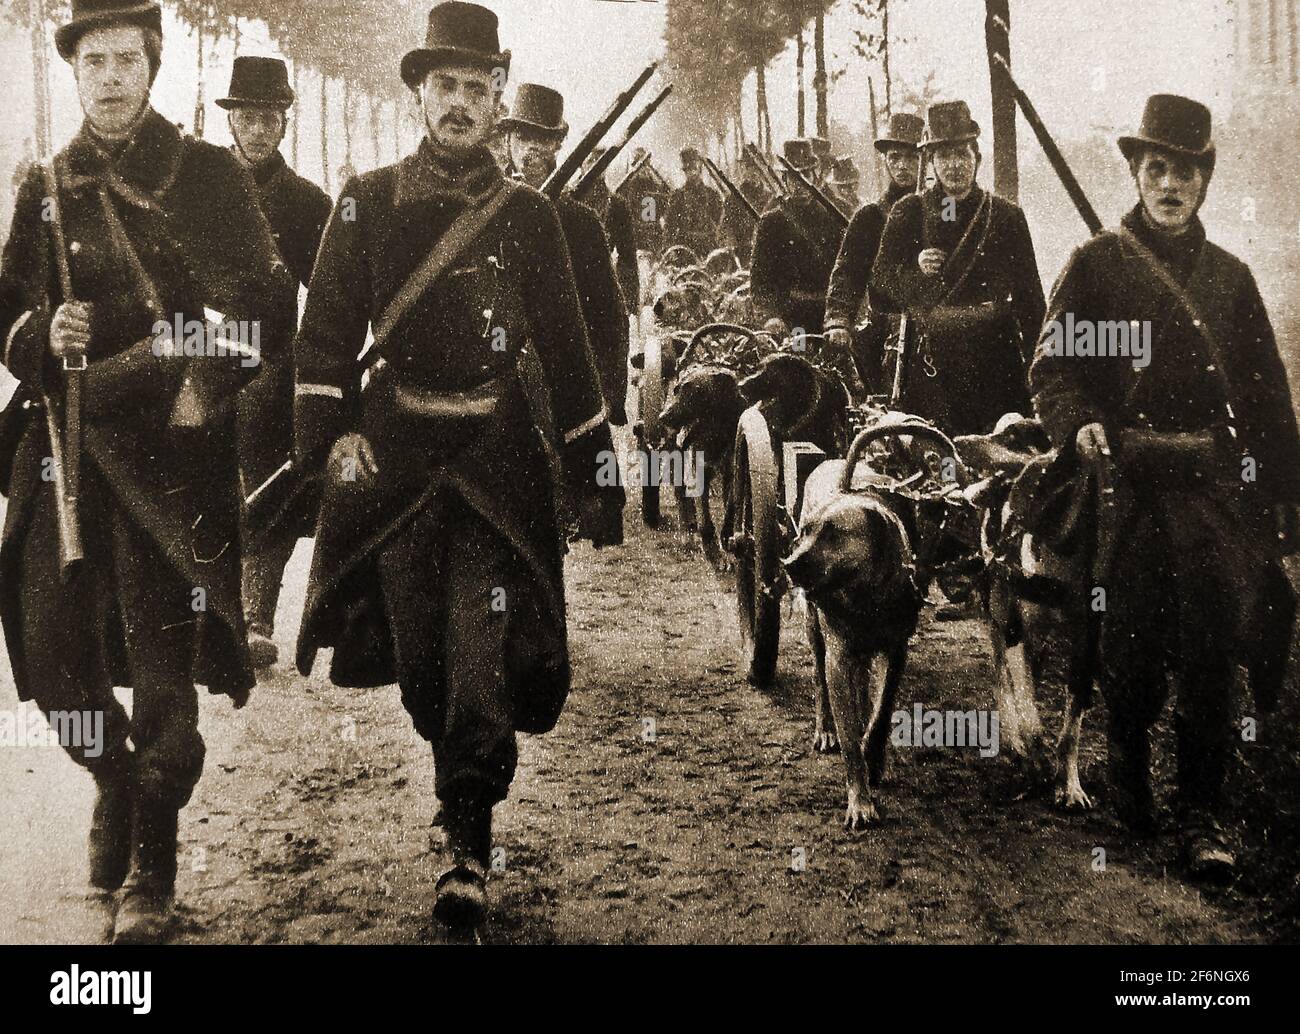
[652, 404]
[756, 543]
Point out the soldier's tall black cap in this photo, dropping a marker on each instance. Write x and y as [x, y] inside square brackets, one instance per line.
[1173, 123]
[96, 14]
[949, 122]
[538, 107]
[799, 153]
[459, 32]
[261, 82]
[904, 130]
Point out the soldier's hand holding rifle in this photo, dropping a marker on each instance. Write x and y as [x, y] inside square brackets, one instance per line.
[840, 339]
[70, 329]
[352, 459]
[1090, 443]
[931, 261]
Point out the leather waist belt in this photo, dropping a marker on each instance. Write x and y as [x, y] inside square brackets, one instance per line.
[479, 402]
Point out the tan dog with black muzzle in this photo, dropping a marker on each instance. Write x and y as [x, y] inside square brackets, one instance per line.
[853, 560]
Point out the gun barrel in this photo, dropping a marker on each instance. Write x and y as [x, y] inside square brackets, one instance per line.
[725, 182]
[559, 179]
[607, 159]
[831, 207]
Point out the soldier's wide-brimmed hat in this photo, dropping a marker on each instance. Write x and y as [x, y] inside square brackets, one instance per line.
[949, 123]
[459, 32]
[800, 154]
[904, 130]
[1173, 123]
[537, 107]
[844, 172]
[95, 14]
[260, 82]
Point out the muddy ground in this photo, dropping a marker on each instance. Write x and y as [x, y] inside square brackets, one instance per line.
[673, 803]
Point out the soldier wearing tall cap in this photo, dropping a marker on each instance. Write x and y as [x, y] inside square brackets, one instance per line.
[1196, 585]
[843, 183]
[535, 129]
[821, 149]
[621, 228]
[258, 103]
[647, 195]
[736, 229]
[795, 244]
[694, 210]
[961, 262]
[439, 553]
[158, 230]
[849, 297]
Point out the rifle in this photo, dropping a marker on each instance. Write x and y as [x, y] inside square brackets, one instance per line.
[831, 207]
[900, 349]
[607, 159]
[65, 447]
[559, 179]
[725, 182]
[772, 180]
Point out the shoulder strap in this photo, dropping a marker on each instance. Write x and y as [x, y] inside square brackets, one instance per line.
[1184, 299]
[462, 232]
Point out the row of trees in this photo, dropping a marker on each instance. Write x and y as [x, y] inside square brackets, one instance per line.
[351, 41]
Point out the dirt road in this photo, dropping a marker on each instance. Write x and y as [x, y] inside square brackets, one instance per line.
[673, 803]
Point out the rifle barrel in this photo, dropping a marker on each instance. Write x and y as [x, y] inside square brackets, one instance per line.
[607, 159]
[831, 207]
[559, 179]
[726, 183]
[637, 166]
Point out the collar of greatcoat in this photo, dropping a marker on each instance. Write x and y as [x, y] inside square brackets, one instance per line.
[146, 167]
[427, 175]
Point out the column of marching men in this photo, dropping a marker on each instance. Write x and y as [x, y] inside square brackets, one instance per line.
[439, 471]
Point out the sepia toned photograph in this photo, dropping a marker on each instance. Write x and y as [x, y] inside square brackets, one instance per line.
[650, 472]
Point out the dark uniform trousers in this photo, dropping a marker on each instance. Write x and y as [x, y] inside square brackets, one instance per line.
[64, 628]
[439, 576]
[264, 564]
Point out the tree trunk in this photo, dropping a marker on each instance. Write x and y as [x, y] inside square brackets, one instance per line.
[799, 68]
[997, 39]
[876, 174]
[374, 128]
[324, 133]
[764, 116]
[1290, 41]
[884, 57]
[293, 126]
[40, 81]
[820, 85]
[347, 121]
[200, 111]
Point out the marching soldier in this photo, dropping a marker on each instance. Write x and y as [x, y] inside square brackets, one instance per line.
[647, 194]
[821, 149]
[795, 245]
[621, 230]
[296, 209]
[438, 559]
[850, 279]
[843, 183]
[149, 231]
[736, 229]
[960, 262]
[694, 210]
[1196, 583]
[535, 129]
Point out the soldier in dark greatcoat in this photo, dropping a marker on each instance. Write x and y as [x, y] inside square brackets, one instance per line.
[439, 556]
[535, 129]
[736, 228]
[259, 100]
[795, 244]
[647, 195]
[843, 183]
[849, 294]
[621, 225]
[164, 243]
[694, 210]
[1196, 587]
[960, 262]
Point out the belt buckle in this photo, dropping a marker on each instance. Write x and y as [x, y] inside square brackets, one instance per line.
[67, 366]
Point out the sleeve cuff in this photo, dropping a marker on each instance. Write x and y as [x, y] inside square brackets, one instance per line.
[320, 418]
[27, 348]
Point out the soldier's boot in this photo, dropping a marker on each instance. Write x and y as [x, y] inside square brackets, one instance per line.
[1201, 732]
[261, 594]
[1129, 771]
[144, 914]
[461, 901]
[109, 845]
[1206, 848]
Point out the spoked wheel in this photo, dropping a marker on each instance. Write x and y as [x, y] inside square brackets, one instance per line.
[652, 404]
[756, 543]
